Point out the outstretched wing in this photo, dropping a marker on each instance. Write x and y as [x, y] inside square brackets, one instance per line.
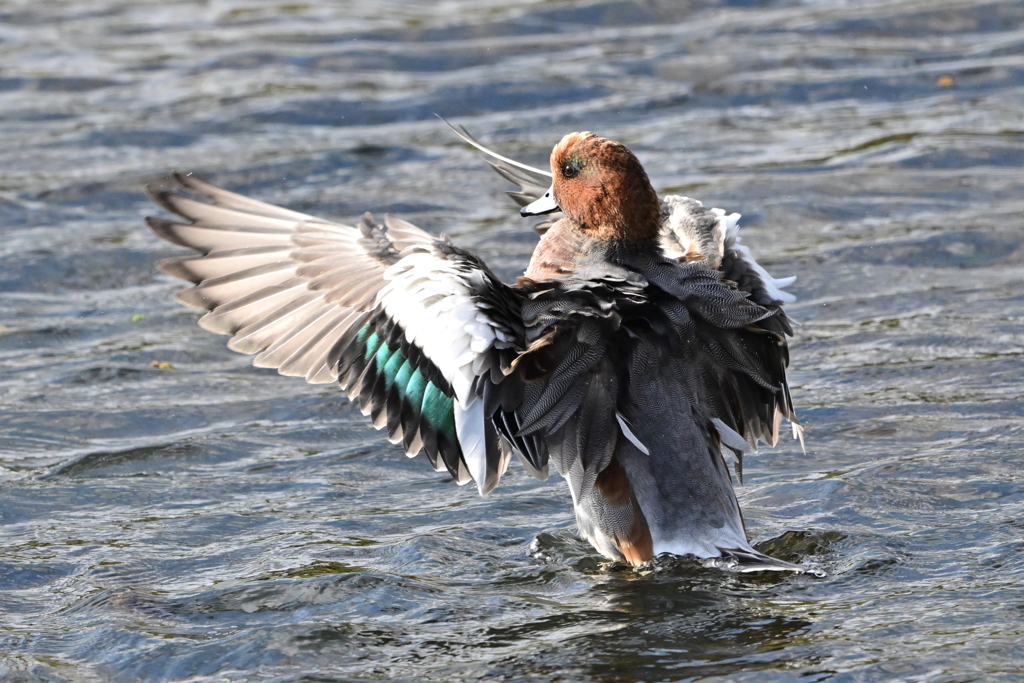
[411, 326]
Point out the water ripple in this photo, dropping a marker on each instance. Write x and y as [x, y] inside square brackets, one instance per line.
[170, 513]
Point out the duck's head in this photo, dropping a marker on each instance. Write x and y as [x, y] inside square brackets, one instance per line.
[602, 188]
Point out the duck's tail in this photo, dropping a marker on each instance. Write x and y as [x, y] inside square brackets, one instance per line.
[747, 560]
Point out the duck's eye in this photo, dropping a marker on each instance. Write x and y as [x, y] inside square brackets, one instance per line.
[569, 171]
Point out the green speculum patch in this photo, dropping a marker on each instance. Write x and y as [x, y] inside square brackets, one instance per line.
[392, 367]
[438, 409]
[391, 364]
[373, 342]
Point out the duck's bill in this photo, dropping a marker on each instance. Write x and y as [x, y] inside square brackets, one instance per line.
[546, 204]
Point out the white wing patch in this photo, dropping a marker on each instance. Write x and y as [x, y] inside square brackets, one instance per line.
[436, 308]
[772, 285]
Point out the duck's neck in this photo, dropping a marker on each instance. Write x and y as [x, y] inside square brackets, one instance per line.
[568, 247]
[558, 252]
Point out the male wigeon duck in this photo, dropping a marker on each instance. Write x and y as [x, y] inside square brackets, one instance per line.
[642, 350]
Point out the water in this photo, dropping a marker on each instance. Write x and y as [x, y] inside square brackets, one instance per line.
[213, 522]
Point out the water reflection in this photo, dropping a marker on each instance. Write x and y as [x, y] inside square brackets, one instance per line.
[675, 624]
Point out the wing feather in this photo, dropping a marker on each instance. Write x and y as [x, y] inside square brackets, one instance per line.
[412, 327]
[224, 198]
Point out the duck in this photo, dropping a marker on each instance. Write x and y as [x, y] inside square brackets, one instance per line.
[641, 354]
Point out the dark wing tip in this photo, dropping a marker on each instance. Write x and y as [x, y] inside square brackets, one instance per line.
[174, 179]
[178, 267]
[184, 178]
[168, 230]
[194, 297]
[187, 181]
[164, 200]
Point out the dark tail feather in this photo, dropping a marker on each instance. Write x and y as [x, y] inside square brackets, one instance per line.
[745, 561]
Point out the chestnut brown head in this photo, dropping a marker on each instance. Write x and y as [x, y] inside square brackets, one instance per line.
[601, 186]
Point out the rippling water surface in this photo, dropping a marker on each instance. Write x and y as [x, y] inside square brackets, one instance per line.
[208, 521]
